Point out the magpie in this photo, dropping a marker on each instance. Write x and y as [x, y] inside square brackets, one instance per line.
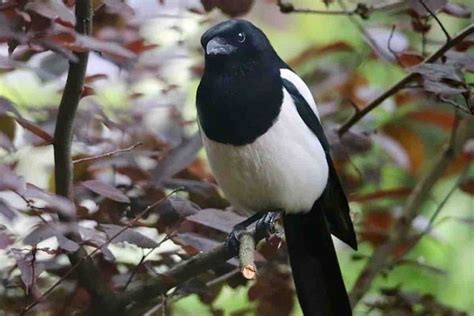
[268, 152]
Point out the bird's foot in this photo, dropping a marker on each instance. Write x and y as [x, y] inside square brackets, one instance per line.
[233, 240]
[265, 225]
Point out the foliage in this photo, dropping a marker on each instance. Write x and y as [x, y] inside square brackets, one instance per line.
[395, 95]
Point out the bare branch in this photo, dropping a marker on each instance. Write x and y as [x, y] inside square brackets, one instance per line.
[405, 80]
[400, 234]
[361, 9]
[389, 46]
[448, 38]
[82, 260]
[246, 256]
[108, 154]
[185, 271]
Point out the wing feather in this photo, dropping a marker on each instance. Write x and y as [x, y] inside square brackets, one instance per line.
[333, 200]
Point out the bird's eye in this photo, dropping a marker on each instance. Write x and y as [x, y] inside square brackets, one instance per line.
[241, 37]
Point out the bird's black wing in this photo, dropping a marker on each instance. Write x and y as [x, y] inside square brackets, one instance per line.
[333, 200]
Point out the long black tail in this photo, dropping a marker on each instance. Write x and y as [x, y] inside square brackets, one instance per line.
[318, 280]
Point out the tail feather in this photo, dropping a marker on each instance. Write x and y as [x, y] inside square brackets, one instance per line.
[316, 273]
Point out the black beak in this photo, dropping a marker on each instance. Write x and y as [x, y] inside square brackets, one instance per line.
[219, 46]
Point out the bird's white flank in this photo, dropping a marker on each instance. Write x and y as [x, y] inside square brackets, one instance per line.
[283, 169]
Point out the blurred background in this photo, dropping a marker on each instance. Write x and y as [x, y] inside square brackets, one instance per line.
[135, 140]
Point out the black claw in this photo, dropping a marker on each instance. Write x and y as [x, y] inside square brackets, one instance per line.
[264, 226]
[233, 239]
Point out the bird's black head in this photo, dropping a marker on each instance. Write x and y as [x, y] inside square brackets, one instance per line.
[236, 41]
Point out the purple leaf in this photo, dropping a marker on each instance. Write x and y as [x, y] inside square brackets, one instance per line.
[10, 181]
[5, 239]
[35, 129]
[106, 190]
[457, 10]
[29, 269]
[54, 202]
[198, 243]
[98, 239]
[223, 221]
[178, 158]
[438, 72]
[52, 9]
[441, 88]
[6, 211]
[433, 5]
[45, 231]
[104, 47]
[7, 106]
[129, 235]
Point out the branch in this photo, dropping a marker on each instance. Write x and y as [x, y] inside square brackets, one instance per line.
[357, 116]
[383, 254]
[184, 271]
[361, 9]
[111, 299]
[88, 275]
[448, 38]
[108, 154]
[246, 256]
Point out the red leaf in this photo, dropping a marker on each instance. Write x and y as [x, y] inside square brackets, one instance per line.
[409, 59]
[468, 186]
[316, 51]
[90, 79]
[139, 46]
[376, 226]
[86, 91]
[232, 8]
[106, 190]
[35, 129]
[64, 39]
[442, 119]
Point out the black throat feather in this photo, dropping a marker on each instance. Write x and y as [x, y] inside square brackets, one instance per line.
[238, 102]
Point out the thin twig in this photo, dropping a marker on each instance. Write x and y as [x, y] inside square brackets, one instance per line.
[183, 272]
[400, 234]
[405, 80]
[389, 46]
[448, 38]
[96, 250]
[247, 256]
[144, 256]
[177, 296]
[361, 9]
[88, 274]
[368, 37]
[108, 154]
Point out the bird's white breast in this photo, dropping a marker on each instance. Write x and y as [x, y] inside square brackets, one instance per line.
[284, 169]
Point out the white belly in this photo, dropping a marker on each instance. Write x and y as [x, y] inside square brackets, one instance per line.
[284, 169]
